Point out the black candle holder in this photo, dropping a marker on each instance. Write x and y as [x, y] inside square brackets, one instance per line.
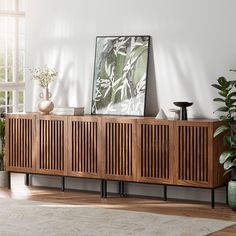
[183, 109]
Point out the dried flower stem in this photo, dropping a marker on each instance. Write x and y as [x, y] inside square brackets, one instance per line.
[44, 75]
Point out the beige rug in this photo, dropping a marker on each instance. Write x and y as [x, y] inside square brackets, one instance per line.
[29, 218]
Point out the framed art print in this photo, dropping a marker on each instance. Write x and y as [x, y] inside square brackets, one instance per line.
[120, 75]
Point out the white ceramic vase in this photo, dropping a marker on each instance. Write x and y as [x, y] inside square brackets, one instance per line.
[161, 115]
[45, 106]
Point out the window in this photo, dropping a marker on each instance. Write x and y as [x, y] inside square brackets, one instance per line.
[12, 55]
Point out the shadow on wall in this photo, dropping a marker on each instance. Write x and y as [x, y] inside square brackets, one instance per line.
[191, 80]
[151, 104]
[65, 88]
[184, 76]
[61, 91]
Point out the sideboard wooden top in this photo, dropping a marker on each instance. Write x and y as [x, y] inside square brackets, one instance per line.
[139, 118]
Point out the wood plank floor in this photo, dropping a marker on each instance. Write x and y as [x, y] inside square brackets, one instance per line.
[145, 204]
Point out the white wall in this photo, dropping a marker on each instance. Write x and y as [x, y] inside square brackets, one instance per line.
[193, 44]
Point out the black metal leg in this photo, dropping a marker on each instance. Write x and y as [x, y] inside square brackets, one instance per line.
[165, 192]
[103, 188]
[121, 190]
[212, 198]
[9, 180]
[119, 187]
[63, 183]
[101, 192]
[27, 179]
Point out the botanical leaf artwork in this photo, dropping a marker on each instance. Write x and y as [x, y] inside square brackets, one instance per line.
[120, 75]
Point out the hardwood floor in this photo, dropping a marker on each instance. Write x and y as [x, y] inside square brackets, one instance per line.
[147, 204]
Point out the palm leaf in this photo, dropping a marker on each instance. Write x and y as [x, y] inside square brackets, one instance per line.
[218, 100]
[228, 165]
[233, 94]
[220, 130]
[223, 109]
[226, 155]
[217, 86]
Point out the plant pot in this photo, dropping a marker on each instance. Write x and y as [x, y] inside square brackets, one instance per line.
[4, 180]
[232, 194]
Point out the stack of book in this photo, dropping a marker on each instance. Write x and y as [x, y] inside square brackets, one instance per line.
[73, 111]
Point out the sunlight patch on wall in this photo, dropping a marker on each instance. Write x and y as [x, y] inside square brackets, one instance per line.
[183, 78]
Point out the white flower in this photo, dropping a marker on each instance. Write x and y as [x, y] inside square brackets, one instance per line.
[44, 75]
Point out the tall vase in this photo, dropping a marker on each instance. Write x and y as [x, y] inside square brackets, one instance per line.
[45, 106]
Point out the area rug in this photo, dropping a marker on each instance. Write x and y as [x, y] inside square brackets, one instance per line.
[32, 218]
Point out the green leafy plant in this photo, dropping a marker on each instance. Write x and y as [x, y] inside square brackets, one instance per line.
[227, 91]
[2, 143]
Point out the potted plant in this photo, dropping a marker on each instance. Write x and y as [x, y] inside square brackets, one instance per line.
[3, 173]
[227, 100]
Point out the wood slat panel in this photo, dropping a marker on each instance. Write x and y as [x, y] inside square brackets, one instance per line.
[83, 148]
[192, 155]
[119, 141]
[52, 145]
[190, 142]
[82, 154]
[20, 134]
[154, 145]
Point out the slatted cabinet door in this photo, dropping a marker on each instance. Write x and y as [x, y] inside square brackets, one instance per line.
[155, 151]
[119, 148]
[194, 153]
[52, 145]
[84, 146]
[20, 143]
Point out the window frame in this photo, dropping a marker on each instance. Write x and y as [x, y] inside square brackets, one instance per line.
[16, 85]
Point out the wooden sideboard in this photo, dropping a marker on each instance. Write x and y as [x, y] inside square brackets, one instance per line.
[133, 149]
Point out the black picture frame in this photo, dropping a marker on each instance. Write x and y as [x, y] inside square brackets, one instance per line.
[120, 75]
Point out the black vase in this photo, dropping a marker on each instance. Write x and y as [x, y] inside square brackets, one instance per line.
[183, 109]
